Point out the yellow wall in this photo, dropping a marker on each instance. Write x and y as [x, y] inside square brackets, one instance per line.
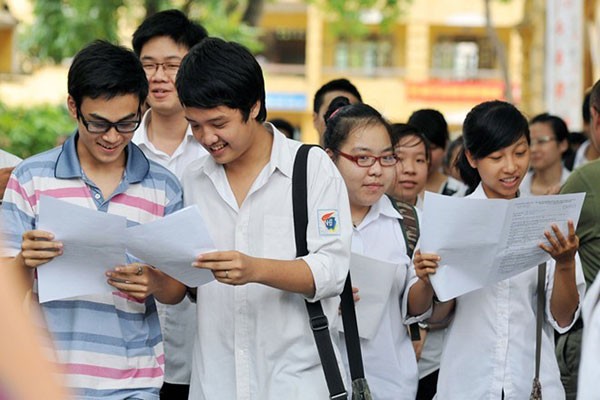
[6, 53]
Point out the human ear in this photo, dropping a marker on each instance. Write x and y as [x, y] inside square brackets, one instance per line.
[472, 161]
[330, 154]
[72, 107]
[255, 110]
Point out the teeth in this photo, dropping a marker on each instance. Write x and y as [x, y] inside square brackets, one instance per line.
[509, 179]
[217, 147]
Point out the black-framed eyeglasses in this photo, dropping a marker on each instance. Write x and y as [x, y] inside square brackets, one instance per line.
[169, 68]
[102, 126]
[542, 140]
[387, 160]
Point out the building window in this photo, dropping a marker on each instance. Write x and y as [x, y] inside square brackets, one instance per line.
[366, 57]
[463, 58]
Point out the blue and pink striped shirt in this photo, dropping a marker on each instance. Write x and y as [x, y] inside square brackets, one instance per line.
[109, 345]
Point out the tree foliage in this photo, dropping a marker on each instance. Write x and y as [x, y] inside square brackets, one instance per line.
[62, 27]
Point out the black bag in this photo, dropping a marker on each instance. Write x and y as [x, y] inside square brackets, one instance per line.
[318, 321]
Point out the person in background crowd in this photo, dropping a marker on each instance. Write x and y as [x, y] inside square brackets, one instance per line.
[433, 124]
[323, 97]
[161, 42]
[284, 127]
[586, 152]
[549, 141]
[449, 162]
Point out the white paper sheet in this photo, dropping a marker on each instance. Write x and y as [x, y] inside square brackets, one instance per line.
[93, 242]
[374, 280]
[484, 241]
[172, 243]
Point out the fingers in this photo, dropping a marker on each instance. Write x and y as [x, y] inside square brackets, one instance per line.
[38, 248]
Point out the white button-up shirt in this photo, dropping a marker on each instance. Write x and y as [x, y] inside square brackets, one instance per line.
[254, 341]
[589, 370]
[490, 347]
[188, 151]
[177, 322]
[388, 357]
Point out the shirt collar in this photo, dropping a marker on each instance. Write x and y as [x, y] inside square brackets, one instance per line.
[479, 193]
[68, 165]
[141, 135]
[383, 207]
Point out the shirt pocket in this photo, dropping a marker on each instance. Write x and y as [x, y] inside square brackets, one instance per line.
[279, 240]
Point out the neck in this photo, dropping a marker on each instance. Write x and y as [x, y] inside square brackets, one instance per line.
[435, 181]
[166, 132]
[358, 213]
[549, 176]
[256, 156]
[591, 153]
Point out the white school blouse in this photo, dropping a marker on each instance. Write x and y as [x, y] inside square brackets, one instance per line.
[525, 187]
[253, 341]
[589, 370]
[490, 346]
[388, 358]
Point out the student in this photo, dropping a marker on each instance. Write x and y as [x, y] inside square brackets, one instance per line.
[254, 339]
[414, 158]
[323, 97]
[109, 345]
[490, 347]
[586, 152]
[161, 42]
[449, 162]
[435, 128]
[359, 142]
[549, 141]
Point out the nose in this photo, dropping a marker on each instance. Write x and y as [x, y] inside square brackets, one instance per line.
[510, 164]
[407, 167]
[112, 135]
[159, 73]
[376, 168]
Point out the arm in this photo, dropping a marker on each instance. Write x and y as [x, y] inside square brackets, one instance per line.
[140, 281]
[37, 249]
[565, 297]
[235, 268]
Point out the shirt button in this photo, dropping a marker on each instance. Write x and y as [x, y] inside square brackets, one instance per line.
[97, 196]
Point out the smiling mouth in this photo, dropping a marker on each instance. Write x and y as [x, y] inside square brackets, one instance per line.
[510, 180]
[217, 147]
[107, 147]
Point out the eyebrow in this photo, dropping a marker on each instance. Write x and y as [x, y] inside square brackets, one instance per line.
[391, 148]
[127, 117]
[220, 118]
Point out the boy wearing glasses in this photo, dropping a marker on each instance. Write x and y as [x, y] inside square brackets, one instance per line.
[161, 42]
[108, 345]
[254, 339]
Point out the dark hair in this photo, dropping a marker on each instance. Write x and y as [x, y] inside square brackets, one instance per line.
[284, 126]
[400, 131]
[170, 23]
[489, 127]
[595, 97]
[458, 142]
[218, 73]
[102, 69]
[342, 117]
[557, 124]
[340, 85]
[433, 124]
[585, 108]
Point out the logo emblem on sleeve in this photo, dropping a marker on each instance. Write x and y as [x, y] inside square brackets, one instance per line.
[329, 223]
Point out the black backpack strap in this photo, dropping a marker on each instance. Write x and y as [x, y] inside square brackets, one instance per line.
[318, 321]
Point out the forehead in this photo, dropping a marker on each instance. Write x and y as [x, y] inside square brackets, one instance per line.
[369, 136]
[540, 129]
[113, 108]
[163, 47]
[411, 142]
[329, 96]
[200, 115]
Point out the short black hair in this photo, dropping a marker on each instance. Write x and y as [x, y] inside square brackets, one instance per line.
[170, 23]
[399, 131]
[556, 123]
[284, 126]
[342, 118]
[218, 73]
[489, 127]
[340, 85]
[102, 69]
[433, 124]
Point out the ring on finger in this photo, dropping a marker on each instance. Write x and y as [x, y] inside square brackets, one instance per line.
[140, 270]
[226, 274]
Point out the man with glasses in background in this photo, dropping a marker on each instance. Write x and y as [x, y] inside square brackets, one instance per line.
[161, 42]
[108, 344]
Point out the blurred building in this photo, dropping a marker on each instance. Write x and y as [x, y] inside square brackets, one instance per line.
[437, 55]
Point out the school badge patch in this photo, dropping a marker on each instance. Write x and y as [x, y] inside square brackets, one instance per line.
[329, 223]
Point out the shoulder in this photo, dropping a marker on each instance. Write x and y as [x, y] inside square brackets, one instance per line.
[158, 173]
[583, 177]
[42, 164]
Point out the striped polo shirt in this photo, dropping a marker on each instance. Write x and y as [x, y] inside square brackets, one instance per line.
[109, 346]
